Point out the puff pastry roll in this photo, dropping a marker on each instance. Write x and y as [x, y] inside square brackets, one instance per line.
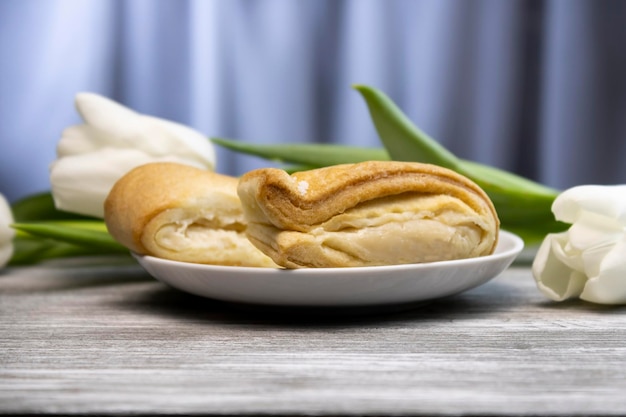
[182, 213]
[366, 214]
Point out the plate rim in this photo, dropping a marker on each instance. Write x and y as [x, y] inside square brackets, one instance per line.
[334, 287]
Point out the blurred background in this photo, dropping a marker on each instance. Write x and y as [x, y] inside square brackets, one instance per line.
[536, 87]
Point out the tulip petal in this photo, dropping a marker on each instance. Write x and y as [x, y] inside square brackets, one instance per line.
[604, 200]
[592, 230]
[186, 142]
[105, 114]
[593, 237]
[79, 139]
[6, 252]
[115, 125]
[80, 183]
[119, 126]
[609, 285]
[6, 232]
[554, 277]
[565, 253]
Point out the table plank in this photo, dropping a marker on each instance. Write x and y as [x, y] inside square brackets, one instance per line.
[111, 340]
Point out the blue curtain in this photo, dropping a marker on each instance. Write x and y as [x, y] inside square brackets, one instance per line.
[536, 87]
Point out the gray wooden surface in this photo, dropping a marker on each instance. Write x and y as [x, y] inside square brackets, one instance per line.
[111, 340]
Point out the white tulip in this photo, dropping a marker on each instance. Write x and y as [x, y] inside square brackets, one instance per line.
[114, 139]
[589, 259]
[6, 232]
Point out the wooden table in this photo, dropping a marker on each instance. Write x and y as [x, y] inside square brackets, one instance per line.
[109, 339]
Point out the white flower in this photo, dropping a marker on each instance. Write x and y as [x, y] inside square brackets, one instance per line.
[589, 259]
[6, 232]
[92, 156]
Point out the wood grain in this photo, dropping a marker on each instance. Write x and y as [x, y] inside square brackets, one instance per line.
[109, 339]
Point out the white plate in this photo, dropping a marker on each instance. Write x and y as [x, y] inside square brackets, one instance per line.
[335, 287]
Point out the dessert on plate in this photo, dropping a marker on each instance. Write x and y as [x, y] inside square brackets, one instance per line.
[367, 214]
[182, 213]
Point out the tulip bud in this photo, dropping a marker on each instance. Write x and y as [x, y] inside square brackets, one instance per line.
[589, 259]
[6, 232]
[114, 139]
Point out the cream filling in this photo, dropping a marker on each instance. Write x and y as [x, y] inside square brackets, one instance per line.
[203, 231]
[181, 237]
[191, 235]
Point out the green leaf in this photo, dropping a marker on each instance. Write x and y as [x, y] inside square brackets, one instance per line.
[40, 207]
[85, 233]
[30, 250]
[402, 139]
[497, 178]
[308, 155]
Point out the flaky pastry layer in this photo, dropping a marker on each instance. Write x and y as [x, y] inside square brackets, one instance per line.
[371, 213]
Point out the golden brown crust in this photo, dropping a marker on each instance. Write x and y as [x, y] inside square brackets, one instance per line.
[183, 213]
[307, 198]
[285, 211]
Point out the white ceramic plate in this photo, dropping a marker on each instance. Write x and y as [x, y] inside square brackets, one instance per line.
[335, 287]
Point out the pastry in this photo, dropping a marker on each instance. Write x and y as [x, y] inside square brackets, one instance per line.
[182, 213]
[367, 214]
